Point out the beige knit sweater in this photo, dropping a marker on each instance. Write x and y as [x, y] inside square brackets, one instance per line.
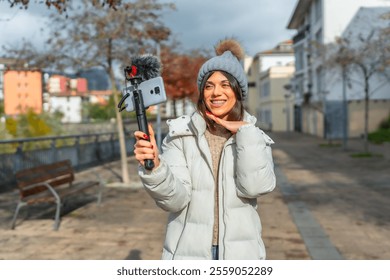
[216, 140]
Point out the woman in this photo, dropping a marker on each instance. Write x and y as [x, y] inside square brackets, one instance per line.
[213, 167]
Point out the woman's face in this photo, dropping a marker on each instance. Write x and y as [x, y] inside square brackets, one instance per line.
[219, 96]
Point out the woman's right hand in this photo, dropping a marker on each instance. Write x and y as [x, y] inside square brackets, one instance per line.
[145, 149]
[232, 126]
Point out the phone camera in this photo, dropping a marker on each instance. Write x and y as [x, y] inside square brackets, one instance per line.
[157, 90]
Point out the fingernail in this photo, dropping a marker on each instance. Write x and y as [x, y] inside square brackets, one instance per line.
[146, 137]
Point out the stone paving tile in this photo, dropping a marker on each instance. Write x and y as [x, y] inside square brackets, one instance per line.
[280, 235]
[347, 197]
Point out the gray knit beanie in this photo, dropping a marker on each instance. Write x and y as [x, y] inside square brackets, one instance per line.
[229, 53]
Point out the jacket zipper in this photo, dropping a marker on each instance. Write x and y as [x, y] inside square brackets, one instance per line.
[221, 218]
[203, 149]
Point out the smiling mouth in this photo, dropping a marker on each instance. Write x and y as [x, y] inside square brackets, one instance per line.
[218, 103]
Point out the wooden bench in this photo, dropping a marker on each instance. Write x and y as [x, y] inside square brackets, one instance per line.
[51, 183]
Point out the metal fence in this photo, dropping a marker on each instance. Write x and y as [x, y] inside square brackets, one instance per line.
[84, 151]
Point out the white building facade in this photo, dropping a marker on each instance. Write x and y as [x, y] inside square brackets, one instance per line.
[70, 106]
[317, 89]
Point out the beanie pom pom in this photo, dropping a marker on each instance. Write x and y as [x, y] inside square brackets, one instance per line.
[230, 45]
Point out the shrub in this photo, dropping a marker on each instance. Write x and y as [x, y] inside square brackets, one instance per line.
[379, 136]
[382, 134]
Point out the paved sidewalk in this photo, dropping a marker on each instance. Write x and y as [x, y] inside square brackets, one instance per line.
[344, 200]
[326, 205]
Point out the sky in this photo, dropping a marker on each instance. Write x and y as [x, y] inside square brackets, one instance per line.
[258, 25]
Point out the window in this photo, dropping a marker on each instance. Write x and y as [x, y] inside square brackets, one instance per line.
[319, 42]
[319, 80]
[319, 36]
[299, 58]
[298, 89]
[265, 88]
[318, 10]
[266, 116]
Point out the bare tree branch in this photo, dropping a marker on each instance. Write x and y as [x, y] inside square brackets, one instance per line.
[61, 5]
[91, 35]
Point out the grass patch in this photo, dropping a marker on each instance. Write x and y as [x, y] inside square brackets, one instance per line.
[330, 145]
[365, 155]
[379, 136]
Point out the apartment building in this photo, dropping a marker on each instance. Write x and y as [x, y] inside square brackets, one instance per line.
[23, 88]
[317, 89]
[268, 74]
[22, 91]
[275, 105]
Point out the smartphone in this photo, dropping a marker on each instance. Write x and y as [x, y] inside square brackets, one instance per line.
[152, 90]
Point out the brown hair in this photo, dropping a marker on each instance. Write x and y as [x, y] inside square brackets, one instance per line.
[237, 112]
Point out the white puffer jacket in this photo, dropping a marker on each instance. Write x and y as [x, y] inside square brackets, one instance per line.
[183, 184]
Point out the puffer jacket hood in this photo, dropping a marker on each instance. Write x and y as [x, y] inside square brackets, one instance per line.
[183, 185]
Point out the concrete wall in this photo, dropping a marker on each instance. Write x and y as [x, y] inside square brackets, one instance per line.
[313, 120]
[379, 110]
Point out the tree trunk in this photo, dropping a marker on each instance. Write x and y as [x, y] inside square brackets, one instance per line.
[122, 143]
[366, 108]
[174, 108]
[119, 122]
[121, 136]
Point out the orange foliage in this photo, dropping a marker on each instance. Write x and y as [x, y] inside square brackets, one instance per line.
[180, 73]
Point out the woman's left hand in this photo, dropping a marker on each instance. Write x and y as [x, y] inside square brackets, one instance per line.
[232, 126]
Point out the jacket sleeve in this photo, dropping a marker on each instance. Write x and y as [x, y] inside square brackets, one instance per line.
[170, 183]
[255, 167]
